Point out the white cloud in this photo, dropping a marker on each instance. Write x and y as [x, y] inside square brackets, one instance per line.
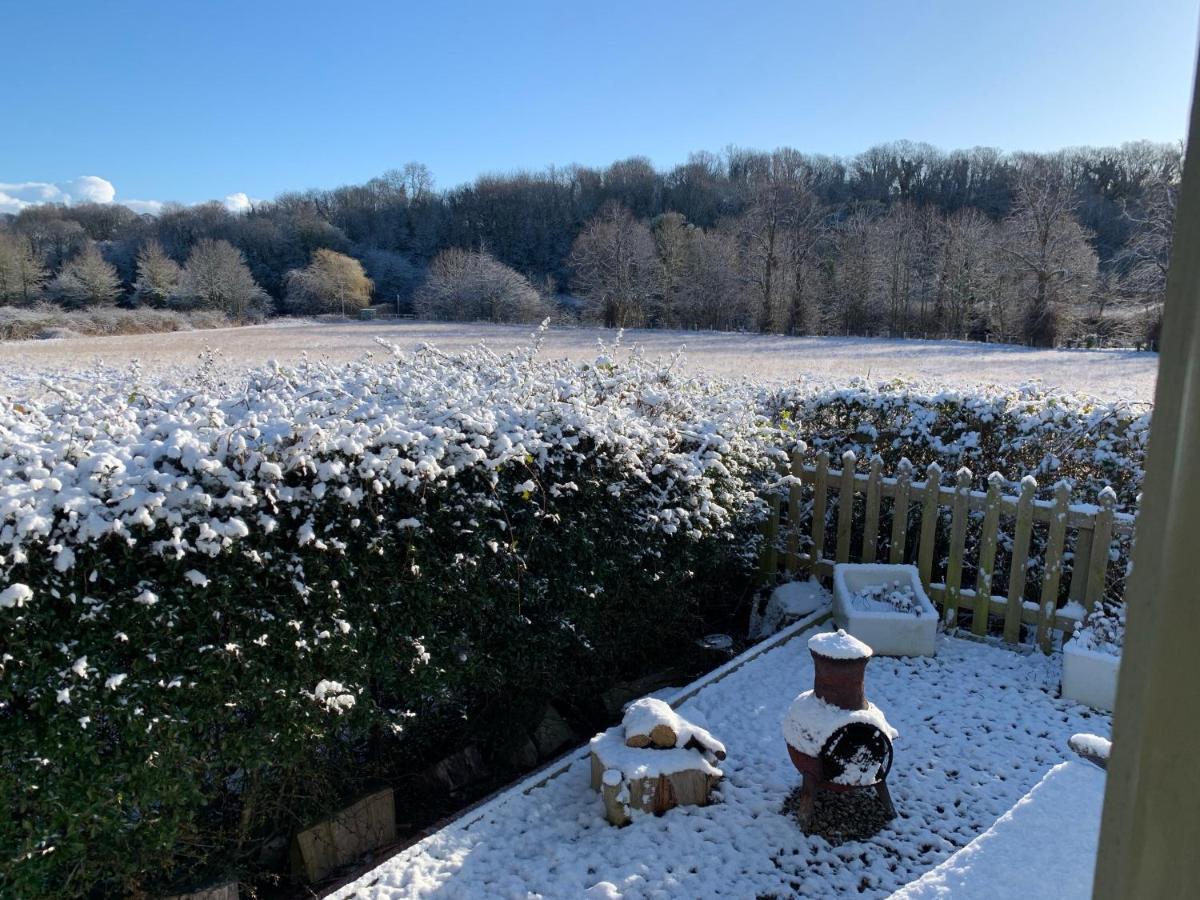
[85, 189]
[89, 189]
[238, 203]
[15, 196]
[141, 207]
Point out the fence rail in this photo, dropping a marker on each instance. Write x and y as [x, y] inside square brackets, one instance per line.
[1073, 542]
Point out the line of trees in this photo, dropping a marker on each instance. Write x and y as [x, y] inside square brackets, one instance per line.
[900, 240]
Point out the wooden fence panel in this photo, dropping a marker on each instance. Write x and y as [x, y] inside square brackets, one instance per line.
[987, 554]
[769, 563]
[1094, 528]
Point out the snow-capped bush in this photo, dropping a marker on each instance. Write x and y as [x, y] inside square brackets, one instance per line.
[1103, 630]
[1014, 431]
[227, 602]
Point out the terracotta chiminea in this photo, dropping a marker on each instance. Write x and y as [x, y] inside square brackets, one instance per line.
[836, 738]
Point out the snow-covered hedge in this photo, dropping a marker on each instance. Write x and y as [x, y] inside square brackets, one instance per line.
[227, 603]
[1030, 430]
[1021, 431]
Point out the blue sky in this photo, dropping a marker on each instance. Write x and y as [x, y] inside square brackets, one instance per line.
[199, 100]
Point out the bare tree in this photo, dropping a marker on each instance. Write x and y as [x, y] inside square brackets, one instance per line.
[806, 235]
[470, 285]
[761, 232]
[21, 273]
[894, 243]
[850, 287]
[1048, 251]
[966, 273]
[1147, 256]
[672, 236]
[157, 275]
[616, 267]
[395, 277]
[87, 280]
[216, 277]
[331, 282]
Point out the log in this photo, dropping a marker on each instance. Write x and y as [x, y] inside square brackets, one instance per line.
[649, 721]
[653, 779]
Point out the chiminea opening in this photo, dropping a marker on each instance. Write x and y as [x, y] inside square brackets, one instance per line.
[836, 738]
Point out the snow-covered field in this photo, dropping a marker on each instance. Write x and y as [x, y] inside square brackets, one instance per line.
[979, 728]
[1110, 374]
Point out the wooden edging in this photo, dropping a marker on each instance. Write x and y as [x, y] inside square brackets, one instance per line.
[470, 815]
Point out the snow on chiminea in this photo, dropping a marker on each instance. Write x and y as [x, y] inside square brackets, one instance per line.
[653, 761]
[837, 739]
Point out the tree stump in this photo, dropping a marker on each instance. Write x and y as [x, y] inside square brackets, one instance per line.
[647, 778]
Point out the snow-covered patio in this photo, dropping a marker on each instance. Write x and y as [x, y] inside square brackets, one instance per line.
[979, 726]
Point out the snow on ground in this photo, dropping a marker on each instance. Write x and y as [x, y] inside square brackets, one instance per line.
[1109, 374]
[979, 728]
[1053, 833]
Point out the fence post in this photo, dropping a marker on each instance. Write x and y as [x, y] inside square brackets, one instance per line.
[1101, 543]
[1020, 561]
[793, 544]
[929, 517]
[958, 540]
[846, 506]
[900, 511]
[769, 562]
[1053, 573]
[819, 499]
[987, 554]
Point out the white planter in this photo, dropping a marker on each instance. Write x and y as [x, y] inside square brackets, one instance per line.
[887, 633]
[1089, 677]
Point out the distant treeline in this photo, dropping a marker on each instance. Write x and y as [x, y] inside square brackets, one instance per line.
[900, 240]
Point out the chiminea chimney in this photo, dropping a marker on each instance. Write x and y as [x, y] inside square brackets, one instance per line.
[840, 664]
[835, 738]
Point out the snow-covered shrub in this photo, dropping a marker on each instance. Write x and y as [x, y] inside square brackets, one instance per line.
[1103, 630]
[1015, 431]
[227, 604]
[1018, 432]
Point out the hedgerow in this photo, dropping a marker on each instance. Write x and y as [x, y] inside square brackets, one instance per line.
[229, 603]
[1029, 430]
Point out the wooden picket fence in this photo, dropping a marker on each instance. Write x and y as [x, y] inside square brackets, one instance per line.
[1088, 529]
